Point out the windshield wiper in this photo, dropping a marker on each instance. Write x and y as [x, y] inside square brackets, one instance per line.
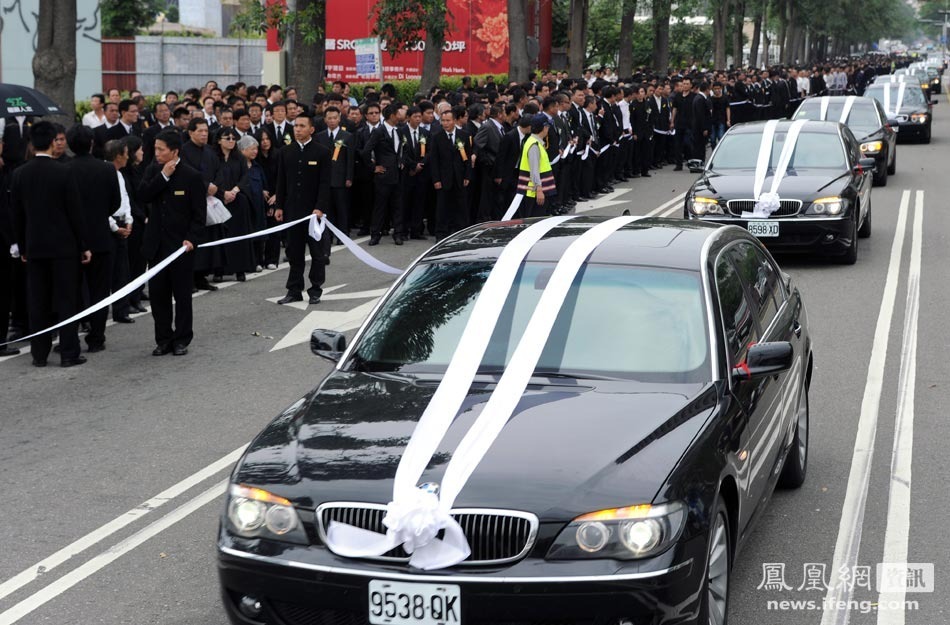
[547, 373]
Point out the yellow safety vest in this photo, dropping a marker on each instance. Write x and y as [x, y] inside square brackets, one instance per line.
[525, 185]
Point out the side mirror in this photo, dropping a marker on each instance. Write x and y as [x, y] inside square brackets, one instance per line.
[328, 344]
[893, 123]
[765, 359]
[935, 101]
[866, 164]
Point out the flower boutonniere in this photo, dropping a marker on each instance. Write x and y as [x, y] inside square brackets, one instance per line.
[461, 148]
[287, 140]
[336, 148]
[422, 146]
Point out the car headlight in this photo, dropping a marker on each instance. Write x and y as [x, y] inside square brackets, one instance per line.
[919, 118]
[872, 147]
[704, 206]
[256, 513]
[827, 206]
[621, 533]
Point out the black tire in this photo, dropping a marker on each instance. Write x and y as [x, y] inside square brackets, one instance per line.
[865, 230]
[926, 137]
[796, 461]
[880, 176]
[851, 254]
[892, 168]
[715, 594]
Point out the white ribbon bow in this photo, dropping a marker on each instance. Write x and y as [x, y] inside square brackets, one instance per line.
[769, 202]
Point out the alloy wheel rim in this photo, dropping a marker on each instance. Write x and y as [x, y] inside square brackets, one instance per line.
[717, 575]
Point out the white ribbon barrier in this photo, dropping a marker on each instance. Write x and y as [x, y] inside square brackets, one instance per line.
[513, 207]
[768, 203]
[414, 517]
[316, 230]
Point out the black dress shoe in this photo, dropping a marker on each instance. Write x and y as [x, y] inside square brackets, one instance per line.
[8, 351]
[374, 240]
[92, 349]
[397, 239]
[204, 285]
[314, 299]
[179, 350]
[85, 327]
[140, 308]
[124, 319]
[161, 350]
[73, 362]
[241, 277]
[362, 232]
[290, 297]
[39, 363]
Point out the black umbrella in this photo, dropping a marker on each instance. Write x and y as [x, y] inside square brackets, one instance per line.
[20, 100]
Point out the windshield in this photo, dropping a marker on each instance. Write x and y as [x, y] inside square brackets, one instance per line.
[627, 322]
[913, 96]
[862, 120]
[814, 150]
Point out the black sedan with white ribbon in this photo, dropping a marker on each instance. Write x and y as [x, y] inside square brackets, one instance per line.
[567, 420]
[800, 186]
[908, 104]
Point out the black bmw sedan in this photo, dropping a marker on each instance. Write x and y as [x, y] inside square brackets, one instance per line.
[868, 122]
[909, 105]
[669, 399]
[822, 195]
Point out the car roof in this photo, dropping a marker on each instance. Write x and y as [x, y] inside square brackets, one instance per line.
[651, 241]
[812, 125]
[834, 99]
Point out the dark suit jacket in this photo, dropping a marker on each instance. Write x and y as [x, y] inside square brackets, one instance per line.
[341, 170]
[201, 159]
[487, 142]
[508, 159]
[380, 151]
[148, 142]
[445, 162]
[303, 179]
[282, 139]
[702, 114]
[177, 212]
[412, 154]
[99, 197]
[15, 143]
[47, 216]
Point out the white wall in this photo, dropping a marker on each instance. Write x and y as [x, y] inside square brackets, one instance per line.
[201, 14]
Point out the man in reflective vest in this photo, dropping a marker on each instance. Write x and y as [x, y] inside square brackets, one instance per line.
[535, 177]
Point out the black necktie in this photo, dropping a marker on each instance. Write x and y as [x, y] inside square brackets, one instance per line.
[415, 138]
[451, 137]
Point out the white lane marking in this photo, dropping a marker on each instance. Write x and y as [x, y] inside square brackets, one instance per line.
[110, 555]
[662, 208]
[836, 611]
[339, 320]
[671, 211]
[897, 534]
[47, 564]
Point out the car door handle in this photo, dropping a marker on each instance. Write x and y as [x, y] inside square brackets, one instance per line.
[797, 329]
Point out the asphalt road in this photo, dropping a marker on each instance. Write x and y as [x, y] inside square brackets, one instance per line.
[113, 471]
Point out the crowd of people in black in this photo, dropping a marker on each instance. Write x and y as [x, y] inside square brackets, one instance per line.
[137, 182]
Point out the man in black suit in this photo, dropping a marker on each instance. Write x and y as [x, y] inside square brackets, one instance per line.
[364, 197]
[176, 194]
[50, 233]
[7, 240]
[416, 181]
[342, 147]
[105, 132]
[702, 121]
[303, 186]
[487, 143]
[383, 152]
[451, 171]
[99, 198]
[15, 135]
[505, 172]
[162, 121]
[281, 130]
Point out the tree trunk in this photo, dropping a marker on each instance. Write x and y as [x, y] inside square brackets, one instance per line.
[307, 59]
[432, 57]
[720, 25]
[737, 33]
[577, 49]
[661, 35]
[765, 33]
[625, 62]
[54, 64]
[756, 39]
[519, 65]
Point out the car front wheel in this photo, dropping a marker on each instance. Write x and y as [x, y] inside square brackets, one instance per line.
[796, 462]
[718, 567]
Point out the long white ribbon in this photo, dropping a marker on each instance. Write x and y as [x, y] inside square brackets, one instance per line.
[317, 226]
[825, 101]
[846, 110]
[513, 207]
[764, 156]
[414, 517]
[900, 98]
[768, 203]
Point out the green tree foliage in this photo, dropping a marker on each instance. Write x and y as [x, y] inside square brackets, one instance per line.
[124, 18]
[404, 23]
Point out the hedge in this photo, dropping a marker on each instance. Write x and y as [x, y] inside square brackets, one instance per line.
[406, 90]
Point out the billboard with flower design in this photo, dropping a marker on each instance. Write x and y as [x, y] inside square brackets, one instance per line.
[476, 42]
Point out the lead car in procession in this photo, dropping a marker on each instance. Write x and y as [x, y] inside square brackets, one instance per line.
[670, 399]
[825, 192]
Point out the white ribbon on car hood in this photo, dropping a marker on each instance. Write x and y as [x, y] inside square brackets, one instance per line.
[414, 518]
[845, 111]
[900, 99]
[768, 203]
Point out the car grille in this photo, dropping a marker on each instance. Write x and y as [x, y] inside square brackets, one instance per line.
[292, 614]
[787, 207]
[494, 536]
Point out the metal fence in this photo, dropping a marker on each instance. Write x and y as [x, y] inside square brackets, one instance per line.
[160, 64]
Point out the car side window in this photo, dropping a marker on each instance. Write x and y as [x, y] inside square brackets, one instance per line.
[738, 316]
[760, 278]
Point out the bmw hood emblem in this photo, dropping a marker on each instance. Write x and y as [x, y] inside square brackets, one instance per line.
[430, 487]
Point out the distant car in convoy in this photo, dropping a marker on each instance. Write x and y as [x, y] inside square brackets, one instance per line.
[868, 123]
[670, 399]
[825, 194]
[910, 106]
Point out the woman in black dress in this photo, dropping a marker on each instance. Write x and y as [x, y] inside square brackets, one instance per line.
[238, 257]
[267, 157]
[254, 188]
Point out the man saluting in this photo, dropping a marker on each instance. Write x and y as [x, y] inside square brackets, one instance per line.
[176, 194]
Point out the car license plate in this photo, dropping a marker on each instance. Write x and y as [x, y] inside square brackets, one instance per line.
[397, 603]
[763, 228]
